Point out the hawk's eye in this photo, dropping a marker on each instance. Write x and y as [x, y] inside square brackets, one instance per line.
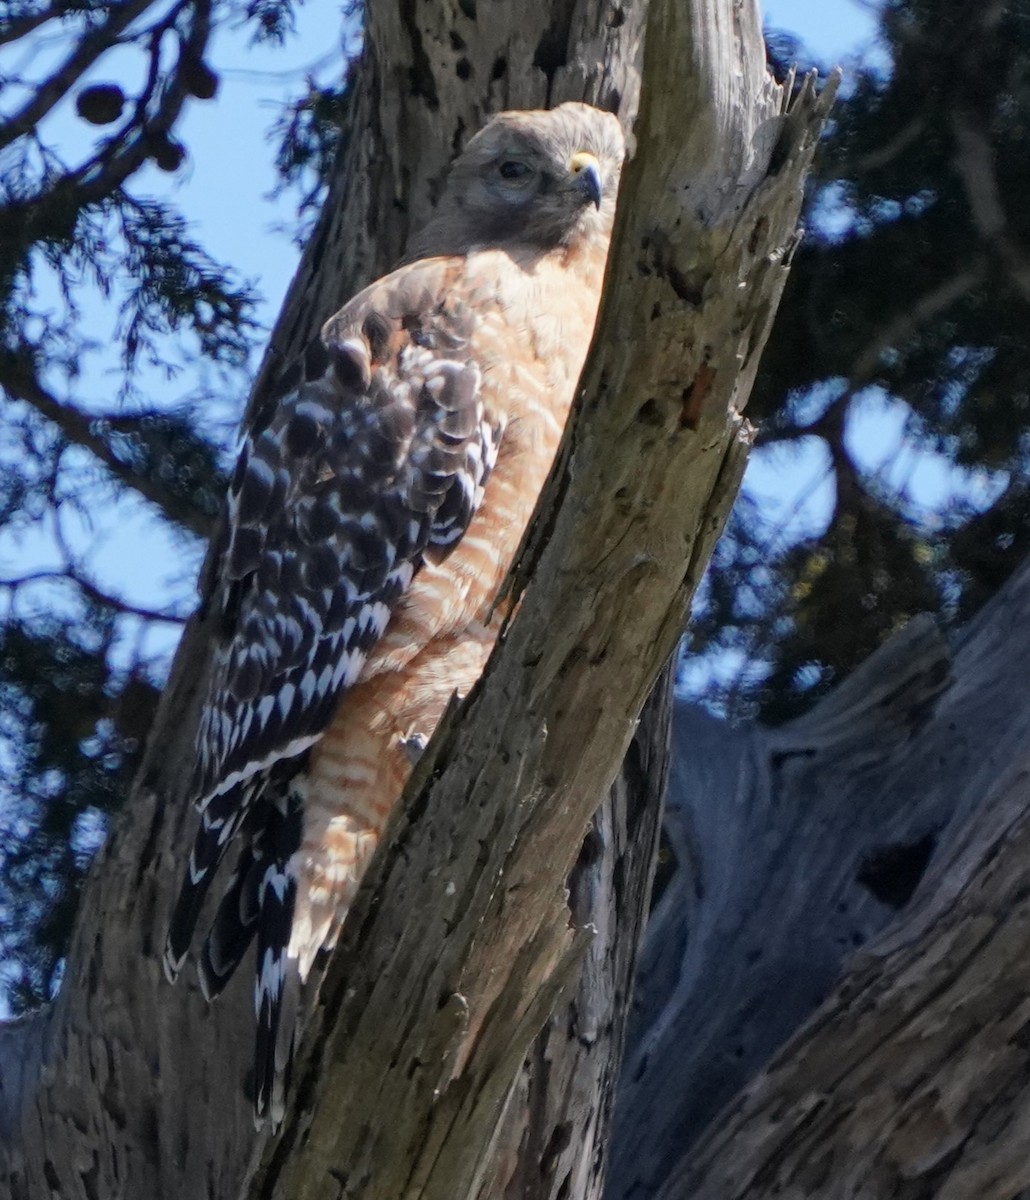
[514, 170]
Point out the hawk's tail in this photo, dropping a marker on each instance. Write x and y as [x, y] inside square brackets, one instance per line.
[219, 822]
[274, 836]
[262, 898]
[235, 922]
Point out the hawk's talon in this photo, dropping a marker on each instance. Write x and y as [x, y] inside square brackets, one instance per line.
[413, 746]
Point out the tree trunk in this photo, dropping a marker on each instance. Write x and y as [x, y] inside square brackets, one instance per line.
[553, 1139]
[417, 1036]
[905, 791]
[411, 1080]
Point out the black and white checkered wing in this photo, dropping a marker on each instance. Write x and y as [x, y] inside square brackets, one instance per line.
[377, 461]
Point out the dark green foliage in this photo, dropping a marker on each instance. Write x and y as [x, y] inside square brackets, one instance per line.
[72, 730]
[272, 19]
[308, 133]
[914, 281]
[175, 285]
[164, 451]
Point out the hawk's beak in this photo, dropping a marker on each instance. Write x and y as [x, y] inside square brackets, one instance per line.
[587, 172]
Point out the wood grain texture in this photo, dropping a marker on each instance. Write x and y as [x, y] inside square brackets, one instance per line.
[792, 848]
[554, 1139]
[885, 834]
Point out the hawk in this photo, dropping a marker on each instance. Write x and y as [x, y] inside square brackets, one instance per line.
[372, 517]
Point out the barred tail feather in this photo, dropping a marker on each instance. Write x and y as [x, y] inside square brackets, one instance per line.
[218, 825]
[277, 986]
[275, 996]
[235, 923]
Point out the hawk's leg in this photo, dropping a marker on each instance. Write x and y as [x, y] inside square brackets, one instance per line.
[357, 772]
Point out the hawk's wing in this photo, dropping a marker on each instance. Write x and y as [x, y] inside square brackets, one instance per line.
[331, 508]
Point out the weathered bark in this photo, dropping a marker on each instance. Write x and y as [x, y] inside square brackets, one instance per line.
[794, 847]
[553, 1139]
[461, 944]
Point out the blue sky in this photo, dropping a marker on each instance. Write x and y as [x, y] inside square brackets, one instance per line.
[830, 28]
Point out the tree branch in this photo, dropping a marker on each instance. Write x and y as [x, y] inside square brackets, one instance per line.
[791, 846]
[71, 574]
[122, 155]
[79, 430]
[974, 161]
[92, 43]
[14, 28]
[911, 1078]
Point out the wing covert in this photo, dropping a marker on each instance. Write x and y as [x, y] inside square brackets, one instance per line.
[335, 500]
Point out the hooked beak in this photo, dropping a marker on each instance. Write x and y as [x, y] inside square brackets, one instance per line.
[587, 172]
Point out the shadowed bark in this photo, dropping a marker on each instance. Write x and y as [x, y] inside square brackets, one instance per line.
[902, 793]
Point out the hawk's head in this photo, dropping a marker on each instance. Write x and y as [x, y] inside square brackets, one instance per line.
[547, 178]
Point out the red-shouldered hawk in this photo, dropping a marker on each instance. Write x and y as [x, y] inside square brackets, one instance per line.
[372, 518]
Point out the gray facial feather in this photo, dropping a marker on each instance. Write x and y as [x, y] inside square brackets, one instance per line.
[488, 202]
